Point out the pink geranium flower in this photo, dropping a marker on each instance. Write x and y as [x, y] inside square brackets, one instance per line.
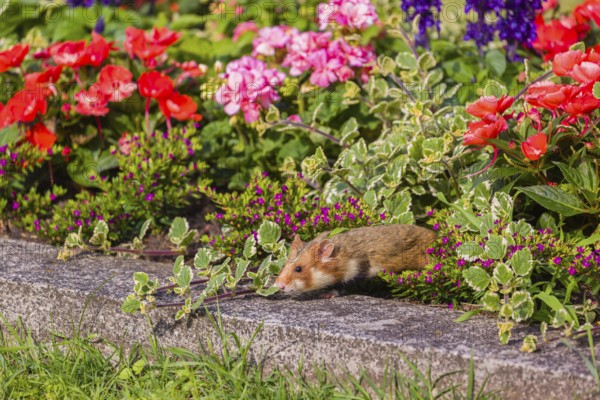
[354, 14]
[250, 88]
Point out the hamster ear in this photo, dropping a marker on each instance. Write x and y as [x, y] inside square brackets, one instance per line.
[325, 250]
[296, 244]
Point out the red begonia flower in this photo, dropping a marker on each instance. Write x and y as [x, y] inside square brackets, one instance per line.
[115, 82]
[549, 95]
[40, 136]
[180, 107]
[91, 102]
[488, 128]
[535, 146]
[155, 85]
[68, 53]
[490, 105]
[13, 57]
[24, 106]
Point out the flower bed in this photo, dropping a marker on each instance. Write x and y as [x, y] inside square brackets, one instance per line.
[324, 116]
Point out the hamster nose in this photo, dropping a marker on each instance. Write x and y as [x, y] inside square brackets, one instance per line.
[280, 285]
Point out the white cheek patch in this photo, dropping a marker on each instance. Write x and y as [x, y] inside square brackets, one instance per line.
[321, 279]
[352, 270]
[374, 270]
[297, 285]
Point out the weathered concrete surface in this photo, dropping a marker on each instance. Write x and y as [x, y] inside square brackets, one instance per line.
[352, 333]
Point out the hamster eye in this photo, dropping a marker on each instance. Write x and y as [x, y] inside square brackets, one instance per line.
[298, 269]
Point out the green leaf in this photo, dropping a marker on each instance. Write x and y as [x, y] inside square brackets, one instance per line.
[272, 114]
[427, 61]
[177, 231]
[555, 199]
[387, 65]
[522, 262]
[502, 206]
[267, 291]
[469, 251]
[138, 366]
[466, 213]
[100, 234]
[370, 197]
[406, 60]
[130, 305]
[180, 314]
[268, 233]
[125, 373]
[504, 331]
[591, 240]
[187, 239]
[141, 278]
[572, 175]
[477, 278]
[178, 264]
[468, 315]
[73, 240]
[9, 135]
[184, 277]
[491, 301]
[349, 130]
[249, 247]
[529, 344]
[144, 228]
[578, 46]
[459, 71]
[240, 269]
[522, 305]
[495, 247]
[496, 60]
[596, 90]
[503, 274]
[202, 259]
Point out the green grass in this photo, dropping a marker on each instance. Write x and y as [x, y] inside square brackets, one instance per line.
[75, 368]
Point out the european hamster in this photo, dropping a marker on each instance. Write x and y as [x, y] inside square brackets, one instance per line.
[355, 254]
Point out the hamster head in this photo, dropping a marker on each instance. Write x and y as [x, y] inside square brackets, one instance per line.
[307, 266]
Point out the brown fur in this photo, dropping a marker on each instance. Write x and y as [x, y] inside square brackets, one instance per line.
[358, 253]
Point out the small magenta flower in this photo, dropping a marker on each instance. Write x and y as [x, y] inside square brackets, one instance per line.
[149, 197]
[430, 213]
[52, 197]
[76, 213]
[557, 260]
[382, 216]
[461, 262]
[436, 227]
[572, 270]
[437, 267]
[541, 247]
[450, 306]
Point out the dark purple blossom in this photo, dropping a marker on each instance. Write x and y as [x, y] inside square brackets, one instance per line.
[428, 10]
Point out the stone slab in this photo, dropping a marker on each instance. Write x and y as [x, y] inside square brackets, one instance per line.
[349, 333]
